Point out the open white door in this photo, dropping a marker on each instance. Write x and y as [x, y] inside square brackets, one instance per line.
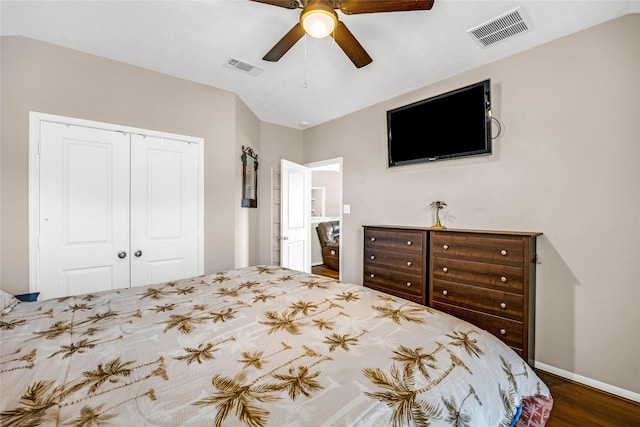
[295, 237]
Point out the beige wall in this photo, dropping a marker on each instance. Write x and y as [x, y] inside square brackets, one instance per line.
[566, 165]
[247, 219]
[41, 77]
[50, 79]
[330, 181]
[276, 143]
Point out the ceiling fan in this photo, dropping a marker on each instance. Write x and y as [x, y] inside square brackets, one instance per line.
[319, 19]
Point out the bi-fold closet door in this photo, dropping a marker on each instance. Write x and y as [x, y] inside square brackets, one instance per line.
[116, 209]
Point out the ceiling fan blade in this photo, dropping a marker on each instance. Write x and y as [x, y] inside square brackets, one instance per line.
[351, 47]
[350, 7]
[285, 43]
[287, 4]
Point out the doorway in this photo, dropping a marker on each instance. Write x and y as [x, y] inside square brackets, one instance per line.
[326, 217]
[307, 213]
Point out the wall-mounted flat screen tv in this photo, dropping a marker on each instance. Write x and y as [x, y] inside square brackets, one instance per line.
[447, 126]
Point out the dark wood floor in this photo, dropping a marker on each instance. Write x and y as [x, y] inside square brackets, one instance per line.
[323, 270]
[577, 405]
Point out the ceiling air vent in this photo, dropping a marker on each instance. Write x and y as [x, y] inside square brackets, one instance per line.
[244, 67]
[500, 28]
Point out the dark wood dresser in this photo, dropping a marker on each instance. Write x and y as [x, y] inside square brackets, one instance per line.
[395, 261]
[484, 277]
[487, 278]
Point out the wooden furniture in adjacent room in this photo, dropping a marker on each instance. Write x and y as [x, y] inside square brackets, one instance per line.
[395, 261]
[484, 277]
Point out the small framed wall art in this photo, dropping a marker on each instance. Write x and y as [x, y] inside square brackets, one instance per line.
[249, 178]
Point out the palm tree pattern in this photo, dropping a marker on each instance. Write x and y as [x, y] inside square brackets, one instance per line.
[260, 346]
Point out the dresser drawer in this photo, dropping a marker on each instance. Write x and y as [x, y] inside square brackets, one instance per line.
[491, 276]
[409, 262]
[509, 331]
[506, 250]
[390, 279]
[397, 240]
[502, 304]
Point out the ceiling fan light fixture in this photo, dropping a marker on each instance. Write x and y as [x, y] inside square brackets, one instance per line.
[319, 20]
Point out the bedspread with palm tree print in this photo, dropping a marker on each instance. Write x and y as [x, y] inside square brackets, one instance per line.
[258, 346]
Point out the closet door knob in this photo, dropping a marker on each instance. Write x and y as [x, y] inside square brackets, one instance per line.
[122, 254]
[138, 253]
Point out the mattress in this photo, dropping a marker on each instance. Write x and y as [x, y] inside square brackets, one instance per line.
[257, 346]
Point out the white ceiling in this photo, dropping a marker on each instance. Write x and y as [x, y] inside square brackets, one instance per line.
[315, 81]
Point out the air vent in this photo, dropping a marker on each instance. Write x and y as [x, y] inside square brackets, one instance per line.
[243, 67]
[500, 28]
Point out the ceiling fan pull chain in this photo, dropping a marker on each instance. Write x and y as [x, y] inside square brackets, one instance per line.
[305, 62]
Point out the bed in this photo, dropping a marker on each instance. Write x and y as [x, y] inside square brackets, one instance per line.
[257, 346]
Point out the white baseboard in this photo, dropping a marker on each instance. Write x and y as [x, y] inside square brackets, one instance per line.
[627, 394]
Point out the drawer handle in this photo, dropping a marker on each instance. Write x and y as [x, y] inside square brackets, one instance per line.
[503, 252]
[408, 284]
[445, 293]
[372, 257]
[445, 269]
[503, 279]
[503, 332]
[409, 263]
[372, 275]
[503, 305]
[333, 252]
[409, 243]
[445, 247]
[373, 239]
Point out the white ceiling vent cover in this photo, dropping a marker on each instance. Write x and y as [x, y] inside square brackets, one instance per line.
[500, 28]
[244, 67]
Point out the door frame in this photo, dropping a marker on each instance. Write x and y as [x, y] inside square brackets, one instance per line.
[319, 164]
[35, 118]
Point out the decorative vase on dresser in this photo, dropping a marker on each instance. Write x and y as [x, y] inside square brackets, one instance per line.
[395, 261]
[487, 278]
[484, 277]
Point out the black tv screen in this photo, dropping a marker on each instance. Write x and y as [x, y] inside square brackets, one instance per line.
[451, 125]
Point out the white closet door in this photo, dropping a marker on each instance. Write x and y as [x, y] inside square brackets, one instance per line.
[84, 210]
[164, 210]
